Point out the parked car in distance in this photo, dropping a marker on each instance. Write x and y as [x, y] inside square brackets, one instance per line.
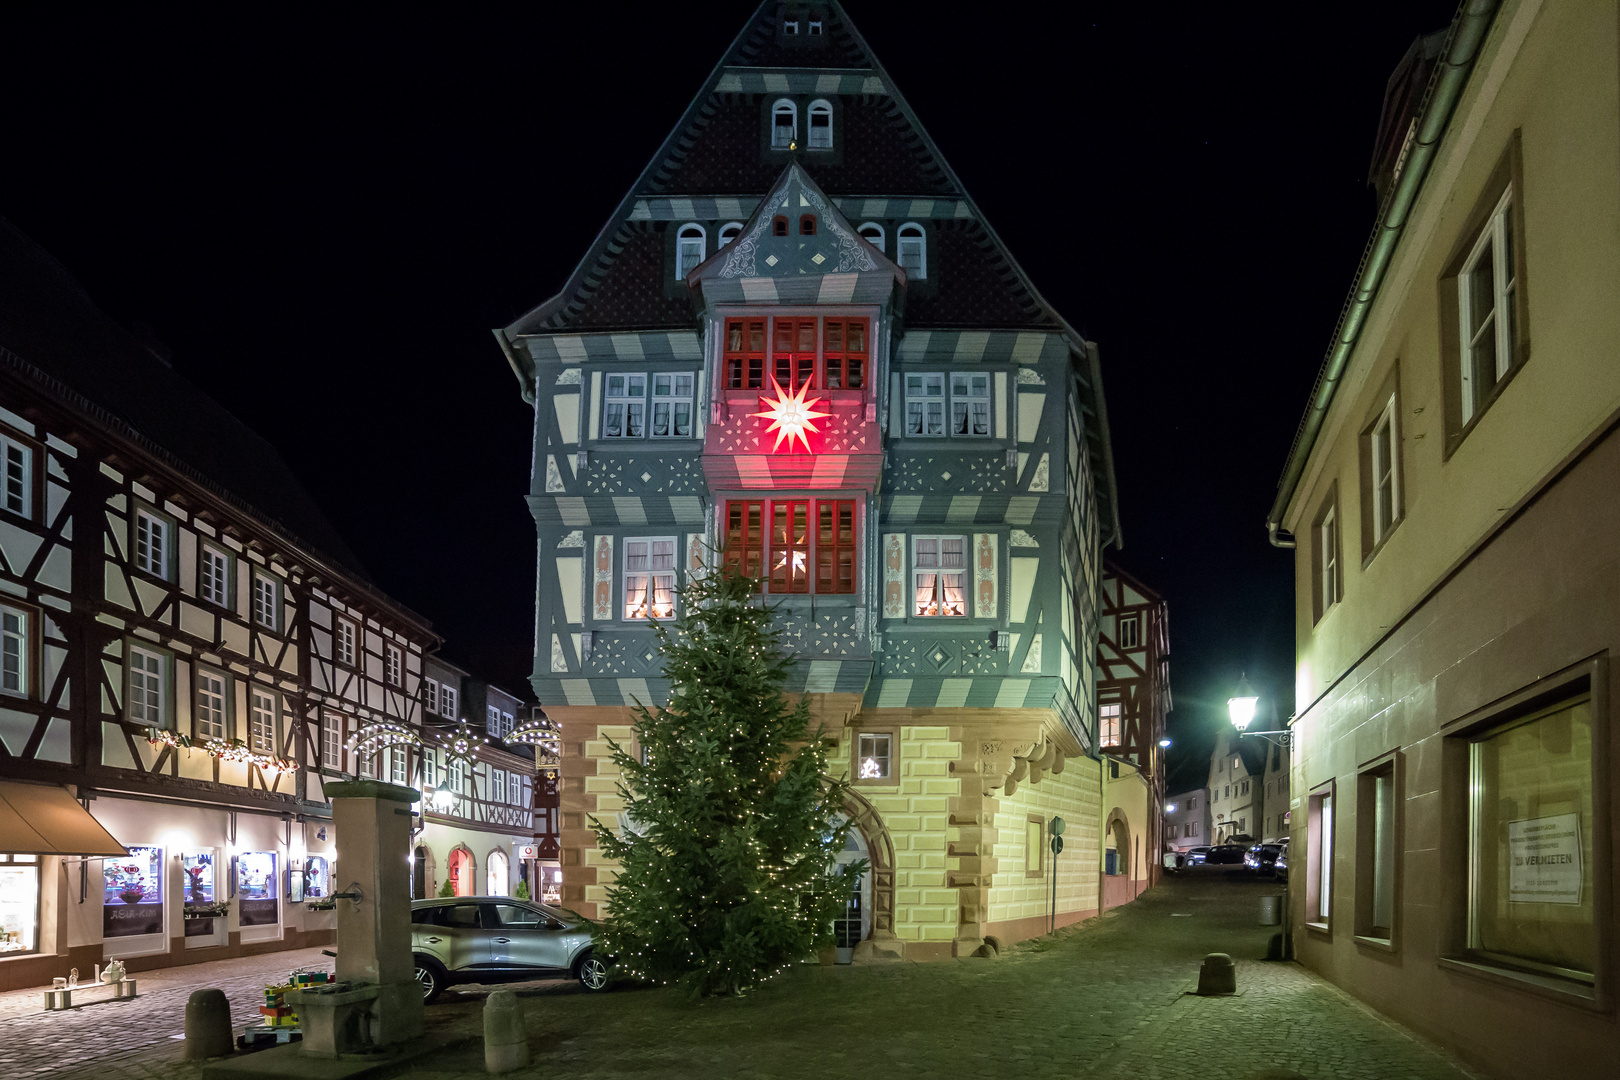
[1280, 866]
[1224, 855]
[1173, 859]
[1262, 858]
[490, 939]
[1195, 856]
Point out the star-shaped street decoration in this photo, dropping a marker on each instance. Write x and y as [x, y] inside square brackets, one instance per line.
[791, 416]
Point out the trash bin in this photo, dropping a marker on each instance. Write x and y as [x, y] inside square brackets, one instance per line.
[1271, 910]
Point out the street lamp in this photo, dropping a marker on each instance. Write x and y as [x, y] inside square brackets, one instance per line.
[1170, 809]
[1240, 706]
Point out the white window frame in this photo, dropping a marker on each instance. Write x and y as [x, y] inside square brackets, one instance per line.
[1495, 238]
[147, 680]
[16, 476]
[154, 542]
[492, 719]
[398, 762]
[214, 575]
[867, 231]
[728, 232]
[691, 246]
[790, 27]
[211, 718]
[16, 651]
[1328, 536]
[881, 765]
[332, 741]
[429, 763]
[430, 695]
[1386, 473]
[933, 400]
[497, 785]
[346, 637]
[927, 395]
[669, 391]
[975, 407]
[447, 702]
[939, 572]
[647, 579]
[507, 724]
[628, 400]
[819, 108]
[1133, 624]
[266, 601]
[393, 665]
[911, 245]
[815, 27]
[1110, 720]
[263, 709]
[784, 107]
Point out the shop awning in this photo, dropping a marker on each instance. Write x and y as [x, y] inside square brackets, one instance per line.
[43, 819]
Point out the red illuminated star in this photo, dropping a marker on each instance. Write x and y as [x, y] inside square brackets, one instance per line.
[791, 416]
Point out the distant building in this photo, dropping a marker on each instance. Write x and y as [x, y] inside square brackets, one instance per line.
[1451, 505]
[1237, 771]
[1187, 820]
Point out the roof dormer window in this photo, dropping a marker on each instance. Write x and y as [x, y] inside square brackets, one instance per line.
[872, 233]
[689, 249]
[820, 125]
[815, 27]
[791, 27]
[784, 124]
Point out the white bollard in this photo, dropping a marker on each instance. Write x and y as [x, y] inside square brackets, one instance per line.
[506, 1044]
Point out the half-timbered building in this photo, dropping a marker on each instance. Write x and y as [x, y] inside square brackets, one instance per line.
[1133, 695]
[798, 349]
[190, 651]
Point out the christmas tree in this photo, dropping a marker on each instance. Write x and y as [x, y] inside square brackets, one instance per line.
[731, 824]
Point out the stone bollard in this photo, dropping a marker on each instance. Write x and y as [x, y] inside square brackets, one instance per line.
[506, 1044]
[208, 1025]
[1271, 910]
[1217, 975]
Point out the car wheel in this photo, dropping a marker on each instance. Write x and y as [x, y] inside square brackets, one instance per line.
[431, 978]
[593, 973]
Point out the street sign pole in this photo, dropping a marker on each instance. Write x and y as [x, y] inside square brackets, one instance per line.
[1055, 827]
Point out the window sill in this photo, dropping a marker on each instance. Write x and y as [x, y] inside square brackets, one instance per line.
[1547, 986]
[1321, 929]
[1372, 553]
[1383, 944]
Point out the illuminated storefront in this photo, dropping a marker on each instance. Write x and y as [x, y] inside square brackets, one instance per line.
[19, 904]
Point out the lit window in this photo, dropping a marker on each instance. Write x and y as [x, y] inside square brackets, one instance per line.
[148, 687]
[874, 754]
[970, 404]
[821, 125]
[872, 233]
[784, 123]
[672, 405]
[802, 533]
[690, 249]
[745, 354]
[793, 355]
[1130, 631]
[844, 352]
[649, 578]
[345, 642]
[210, 705]
[17, 484]
[152, 538]
[1486, 304]
[626, 407]
[835, 546]
[1109, 725]
[393, 665]
[14, 651]
[745, 537]
[214, 576]
[266, 601]
[262, 722]
[913, 249]
[790, 546]
[939, 572]
[1386, 476]
[729, 231]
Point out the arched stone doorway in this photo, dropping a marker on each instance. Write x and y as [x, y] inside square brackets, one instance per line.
[1117, 844]
[874, 845]
[496, 870]
[463, 871]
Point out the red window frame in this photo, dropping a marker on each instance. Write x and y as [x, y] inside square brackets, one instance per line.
[790, 543]
[846, 348]
[745, 354]
[835, 546]
[793, 351]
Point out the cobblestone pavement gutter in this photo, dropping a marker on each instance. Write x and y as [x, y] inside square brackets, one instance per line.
[1106, 999]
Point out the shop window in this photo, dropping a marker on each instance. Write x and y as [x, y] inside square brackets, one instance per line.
[649, 578]
[1319, 860]
[1109, 724]
[258, 891]
[19, 904]
[1377, 852]
[939, 574]
[690, 247]
[793, 352]
[317, 877]
[132, 893]
[745, 354]
[874, 755]
[1532, 900]
[845, 355]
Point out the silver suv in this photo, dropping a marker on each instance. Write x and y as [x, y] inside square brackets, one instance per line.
[489, 939]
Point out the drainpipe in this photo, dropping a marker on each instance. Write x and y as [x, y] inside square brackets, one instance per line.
[1445, 88]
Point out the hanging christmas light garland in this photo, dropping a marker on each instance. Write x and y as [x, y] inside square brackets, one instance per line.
[539, 732]
[378, 734]
[225, 749]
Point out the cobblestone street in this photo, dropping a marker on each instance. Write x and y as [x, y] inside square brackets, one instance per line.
[1106, 999]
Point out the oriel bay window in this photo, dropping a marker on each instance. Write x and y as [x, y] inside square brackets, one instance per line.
[781, 539]
[939, 576]
[745, 354]
[793, 355]
[846, 355]
[823, 353]
[649, 578]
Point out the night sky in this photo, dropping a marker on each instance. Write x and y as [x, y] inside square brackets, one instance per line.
[324, 214]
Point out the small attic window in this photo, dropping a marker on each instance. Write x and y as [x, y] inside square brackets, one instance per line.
[815, 27]
[728, 232]
[807, 225]
[872, 233]
[913, 250]
[820, 125]
[784, 124]
[779, 226]
[791, 26]
[689, 249]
